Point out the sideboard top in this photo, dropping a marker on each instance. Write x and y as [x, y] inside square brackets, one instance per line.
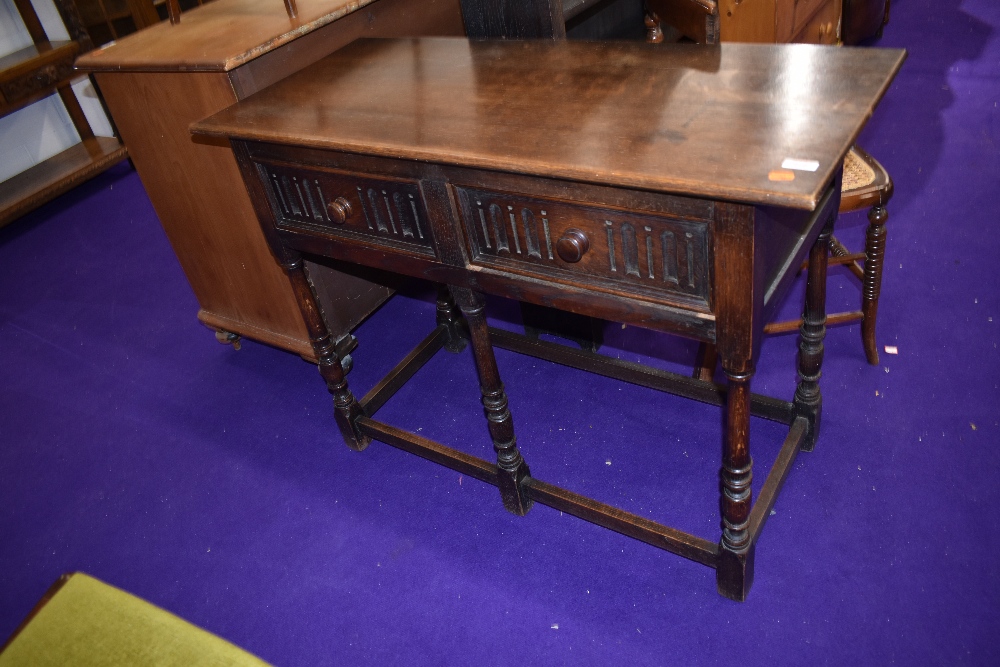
[216, 37]
[752, 123]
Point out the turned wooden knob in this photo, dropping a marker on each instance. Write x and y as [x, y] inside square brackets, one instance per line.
[573, 245]
[340, 210]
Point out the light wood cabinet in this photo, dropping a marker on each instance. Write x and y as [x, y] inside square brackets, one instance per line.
[159, 81]
[779, 21]
[765, 21]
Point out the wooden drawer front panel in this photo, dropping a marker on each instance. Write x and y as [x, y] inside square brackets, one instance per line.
[815, 24]
[663, 258]
[383, 211]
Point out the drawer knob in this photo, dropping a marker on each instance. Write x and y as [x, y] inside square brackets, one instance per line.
[572, 246]
[340, 210]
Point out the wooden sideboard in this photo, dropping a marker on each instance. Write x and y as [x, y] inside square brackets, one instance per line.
[160, 80]
[676, 188]
[763, 21]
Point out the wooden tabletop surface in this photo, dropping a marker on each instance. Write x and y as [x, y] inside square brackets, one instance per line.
[713, 121]
[217, 36]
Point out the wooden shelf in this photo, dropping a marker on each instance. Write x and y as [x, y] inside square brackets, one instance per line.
[61, 172]
[31, 73]
[26, 76]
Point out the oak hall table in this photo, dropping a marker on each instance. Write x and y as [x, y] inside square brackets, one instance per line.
[158, 81]
[677, 188]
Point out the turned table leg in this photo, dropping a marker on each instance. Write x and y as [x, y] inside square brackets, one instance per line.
[808, 402]
[449, 318]
[735, 566]
[512, 468]
[346, 406]
[872, 280]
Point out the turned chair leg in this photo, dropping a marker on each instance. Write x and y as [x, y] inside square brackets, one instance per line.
[654, 32]
[872, 281]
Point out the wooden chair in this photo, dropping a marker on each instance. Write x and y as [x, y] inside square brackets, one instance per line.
[866, 184]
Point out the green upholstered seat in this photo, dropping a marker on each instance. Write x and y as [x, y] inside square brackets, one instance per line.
[85, 622]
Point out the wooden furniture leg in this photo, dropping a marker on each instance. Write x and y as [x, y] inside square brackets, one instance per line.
[808, 401]
[654, 32]
[512, 468]
[346, 406]
[449, 317]
[734, 576]
[705, 362]
[872, 280]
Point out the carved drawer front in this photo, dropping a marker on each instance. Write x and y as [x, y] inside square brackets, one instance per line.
[661, 257]
[383, 211]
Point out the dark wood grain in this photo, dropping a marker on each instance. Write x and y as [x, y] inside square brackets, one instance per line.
[735, 112]
[448, 179]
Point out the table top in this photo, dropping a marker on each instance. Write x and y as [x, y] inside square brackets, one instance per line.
[719, 122]
[217, 37]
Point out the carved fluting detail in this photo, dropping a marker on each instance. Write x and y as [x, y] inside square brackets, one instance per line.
[390, 210]
[630, 251]
[642, 249]
[513, 230]
[376, 211]
[499, 230]
[548, 235]
[530, 233]
[612, 263]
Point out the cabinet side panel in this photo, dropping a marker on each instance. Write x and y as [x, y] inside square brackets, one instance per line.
[202, 204]
[748, 20]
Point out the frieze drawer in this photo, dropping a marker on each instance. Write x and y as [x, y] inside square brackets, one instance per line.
[665, 258]
[380, 210]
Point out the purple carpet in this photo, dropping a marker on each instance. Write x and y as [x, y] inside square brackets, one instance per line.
[213, 482]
